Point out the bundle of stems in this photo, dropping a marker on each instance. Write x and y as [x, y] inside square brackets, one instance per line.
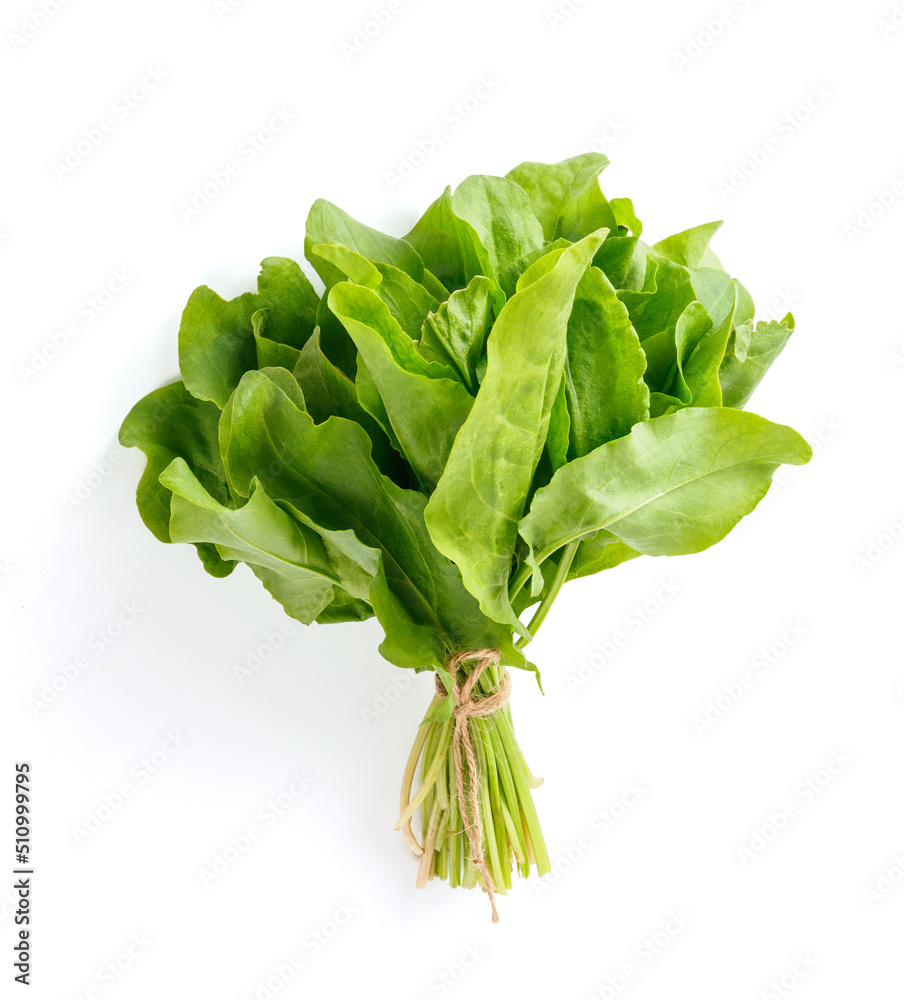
[510, 831]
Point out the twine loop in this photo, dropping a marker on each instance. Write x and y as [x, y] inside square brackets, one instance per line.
[468, 706]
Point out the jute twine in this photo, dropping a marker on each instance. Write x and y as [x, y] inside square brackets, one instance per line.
[467, 706]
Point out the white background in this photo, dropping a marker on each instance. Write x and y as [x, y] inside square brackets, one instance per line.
[818, 563]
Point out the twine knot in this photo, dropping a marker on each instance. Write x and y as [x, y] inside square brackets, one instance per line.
[467, 706]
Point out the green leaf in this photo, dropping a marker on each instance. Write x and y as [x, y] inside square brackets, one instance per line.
[518, 372]
[473, 514]
[566, 196]
[283, 288]
[685, 366]
[666, 293]
[408, 301]
[541, 265]
[455, 335]
[217, 342]
[749, 355]
[328, 392]
[370, 400]
[288, 383]
[700, 353]
[335, 342]
[291, 561]
[555, 449]
[424, 402]
[350, 265]
[700, 345]
[327, 223]
[450, 246]
[663, 403]
[689, 246]
[299, 563]
[676, 484]
[745, 309]
[417, 595]
[718, 292]
[166, 424]
[547, 248]
[434, 286]
[623, 259]
[557, 439]
[270, 353]
[599, 552]
[344, 608]
[623, 209]
[499, 212]
[604, 367]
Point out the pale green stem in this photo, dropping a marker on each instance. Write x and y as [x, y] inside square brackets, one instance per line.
[568, 554]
